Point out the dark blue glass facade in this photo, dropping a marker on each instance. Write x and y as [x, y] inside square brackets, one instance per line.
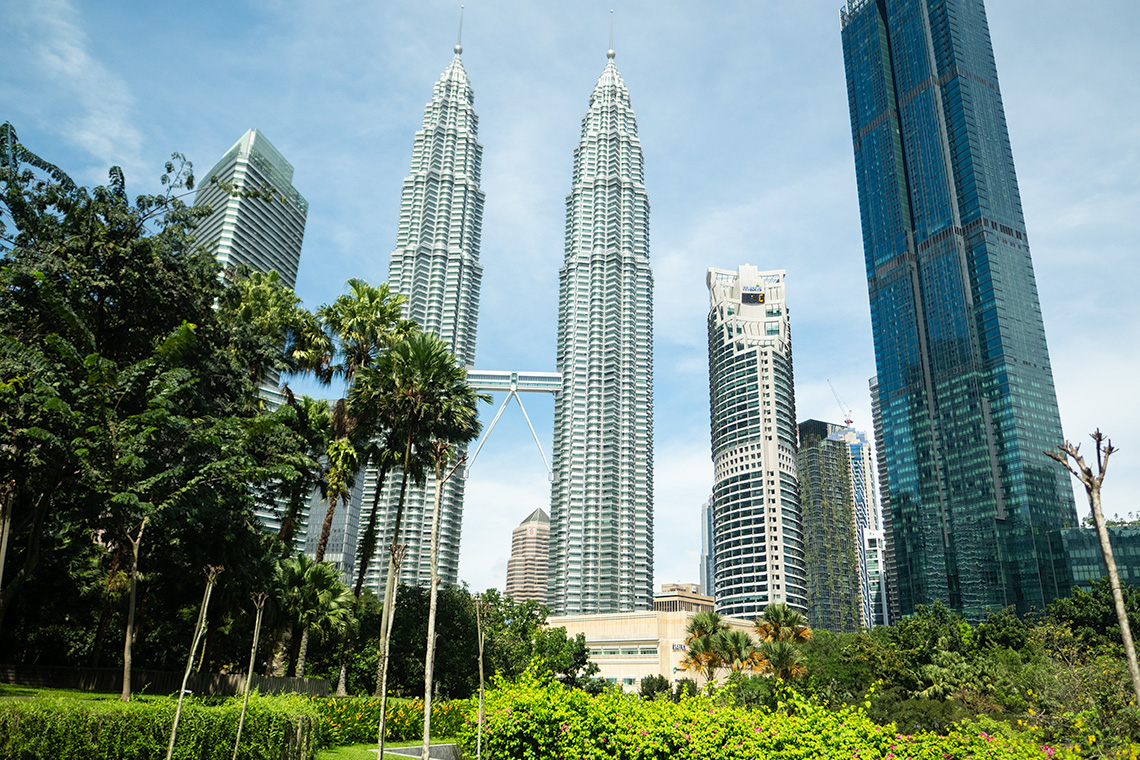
[965, 387]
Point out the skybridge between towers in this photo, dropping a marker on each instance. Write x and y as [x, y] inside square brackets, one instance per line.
[513, 383]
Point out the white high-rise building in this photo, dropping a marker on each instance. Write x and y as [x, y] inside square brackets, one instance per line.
[758, 540]
[258, 232]
[263, 232]
[601, 511]
[436, 267]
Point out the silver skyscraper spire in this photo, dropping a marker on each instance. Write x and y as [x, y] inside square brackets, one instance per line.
[436, 266]
[601, 533]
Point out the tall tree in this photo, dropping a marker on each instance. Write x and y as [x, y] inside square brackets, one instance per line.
[1092, 483]
[315, 600]
[782, 623]
[457, 422]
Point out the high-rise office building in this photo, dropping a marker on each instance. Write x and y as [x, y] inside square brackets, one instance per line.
[832, 541]
[965, 388]
[758, 540]
[436, 267]
[708, 564]
[530, 557]
[866, 513]
[262, 233]
[888, 570]
[601, 510]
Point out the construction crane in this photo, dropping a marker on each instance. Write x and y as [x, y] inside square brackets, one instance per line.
[843, 408]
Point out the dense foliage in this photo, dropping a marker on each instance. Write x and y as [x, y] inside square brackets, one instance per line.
[275, 728]
[537, 718]
[355, 720]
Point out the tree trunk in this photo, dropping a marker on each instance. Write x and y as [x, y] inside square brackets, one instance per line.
[294, 651]
[259, 601]
[304, 651]
[31, 556]
[211, 578]
[1114, 582]
[433, 596]
[389, 611]
[479, 638]
[368, 544]
[129, 638]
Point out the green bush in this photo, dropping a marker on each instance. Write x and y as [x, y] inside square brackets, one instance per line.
[277, 728]
[356, 720]
[537, 718]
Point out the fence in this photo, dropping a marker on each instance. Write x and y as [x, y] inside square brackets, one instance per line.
[155, 682]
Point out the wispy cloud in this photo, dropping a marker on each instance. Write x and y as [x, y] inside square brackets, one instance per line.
[71, 75]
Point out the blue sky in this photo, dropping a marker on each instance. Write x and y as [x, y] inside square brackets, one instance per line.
[742, 113]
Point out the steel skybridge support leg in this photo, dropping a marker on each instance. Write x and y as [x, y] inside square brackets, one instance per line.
[471, 461]
[541, 453]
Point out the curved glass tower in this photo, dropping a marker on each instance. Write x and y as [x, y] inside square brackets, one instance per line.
[965, 389]
[436, 266]
[601, 511]
[758, 530]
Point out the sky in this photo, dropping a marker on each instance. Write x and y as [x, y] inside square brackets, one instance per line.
[742, 115]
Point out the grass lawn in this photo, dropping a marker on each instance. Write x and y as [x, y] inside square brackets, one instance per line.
[365, 751]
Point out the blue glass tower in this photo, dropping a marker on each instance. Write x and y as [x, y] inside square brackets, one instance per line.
[965, 388]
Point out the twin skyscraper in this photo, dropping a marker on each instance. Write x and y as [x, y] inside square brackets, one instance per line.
[601, 514]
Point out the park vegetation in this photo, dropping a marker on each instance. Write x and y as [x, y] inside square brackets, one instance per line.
[138, 448]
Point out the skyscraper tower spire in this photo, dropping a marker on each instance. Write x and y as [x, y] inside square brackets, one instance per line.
[436, 266]
[601, 537]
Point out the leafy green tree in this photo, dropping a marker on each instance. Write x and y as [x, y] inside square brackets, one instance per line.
[315, 600]
[655, 684]
[703, 655]
[565, 656]
[126, 396]
[738, 651]
[782, 623]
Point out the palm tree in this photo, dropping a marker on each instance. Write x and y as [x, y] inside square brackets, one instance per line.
[783, 659]
[359, 327]
[414, 390]
[738, 651]
[315, 600]
[782, 623]
[703, 654]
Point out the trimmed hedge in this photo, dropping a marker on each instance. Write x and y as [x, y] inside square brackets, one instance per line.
[537, 719]
[356, 720]
[276, 728]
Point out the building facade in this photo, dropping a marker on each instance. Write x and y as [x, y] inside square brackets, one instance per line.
[601, 506]
[708, 565]
[1084, 562]
[435, 265]
[530, 557]
[966, 395]
[628, 646]
[262, 231]
[758, 540]
[832, 539]
[886, 549]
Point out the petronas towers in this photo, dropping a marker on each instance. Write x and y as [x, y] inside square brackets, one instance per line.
[601, 512]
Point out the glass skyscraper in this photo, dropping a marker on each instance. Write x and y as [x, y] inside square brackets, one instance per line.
[965, 389]
[601, 505]
[758, 531]
[259, 233]
[435, 265]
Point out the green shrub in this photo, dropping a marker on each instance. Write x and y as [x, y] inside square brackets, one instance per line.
[276, 728]
[356, 720]
[537, 718]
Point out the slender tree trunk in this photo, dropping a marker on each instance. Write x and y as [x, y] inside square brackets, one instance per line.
[479, 638]
[31, 556]
[388, 613]
[259, 602]
[211, 577]
[1092, 483]
[433, 596]
[7, 493]
[129, 638]
[294, 652]
[304, 651]
[368, 544]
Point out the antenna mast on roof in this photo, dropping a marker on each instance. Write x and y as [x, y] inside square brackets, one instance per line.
[459, 37]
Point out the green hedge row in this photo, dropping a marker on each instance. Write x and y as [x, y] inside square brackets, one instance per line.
[276, 728]
[356, 720]
[537, 719]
